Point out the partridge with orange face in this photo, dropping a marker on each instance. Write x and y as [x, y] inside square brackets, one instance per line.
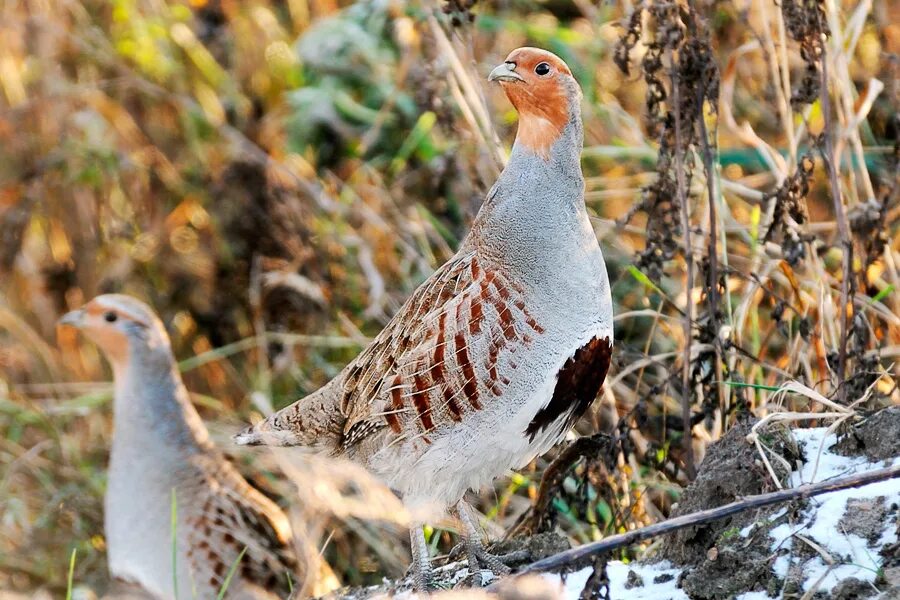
[502, 349]
[161, 453]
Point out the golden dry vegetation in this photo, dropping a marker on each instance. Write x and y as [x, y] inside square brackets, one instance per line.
[276, 176]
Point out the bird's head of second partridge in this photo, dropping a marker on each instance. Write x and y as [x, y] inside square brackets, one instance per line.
[125, 329]
[547, 97]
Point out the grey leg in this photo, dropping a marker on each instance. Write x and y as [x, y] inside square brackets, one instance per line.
[421, 561]
[471, 541]
[475, 552]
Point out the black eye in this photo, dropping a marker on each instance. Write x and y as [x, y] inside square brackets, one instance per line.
[542, 68]
[110, 317]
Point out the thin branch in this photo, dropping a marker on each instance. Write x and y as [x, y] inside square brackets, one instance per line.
[688, 438]
[841, 218]
[553, 477]
[568, 557]
[713, 252]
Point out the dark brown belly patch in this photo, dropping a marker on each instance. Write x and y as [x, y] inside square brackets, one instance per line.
[577, 385]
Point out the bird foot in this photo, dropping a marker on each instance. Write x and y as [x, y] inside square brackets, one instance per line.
[477, 556]
[481, 562]
[422, 577]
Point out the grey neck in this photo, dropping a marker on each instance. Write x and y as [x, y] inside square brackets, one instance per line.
[537, 202]
[152, 406]
[531, 173]
[565, 154]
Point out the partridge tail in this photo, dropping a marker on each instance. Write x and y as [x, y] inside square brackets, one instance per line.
[315, 421]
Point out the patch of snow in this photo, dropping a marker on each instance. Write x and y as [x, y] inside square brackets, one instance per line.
[782, 535]
[888, 537]
[853, 556]
[574, 583]
[571, 584]
[746, 531]
[780, 566]
[826, 465]
[820, 576]
[660, 581]
[820, 523]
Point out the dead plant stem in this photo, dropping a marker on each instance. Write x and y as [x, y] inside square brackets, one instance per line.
[713, 283]
[689, 261]
[841, 218]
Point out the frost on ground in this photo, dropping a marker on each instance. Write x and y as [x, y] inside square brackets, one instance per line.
[838, 545]
[850, 527]
[650, 581]
[842, 545]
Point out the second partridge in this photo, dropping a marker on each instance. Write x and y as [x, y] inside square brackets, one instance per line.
[162, 455]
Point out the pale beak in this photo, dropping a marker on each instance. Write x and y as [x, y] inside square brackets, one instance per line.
[505, 72]
[72, 319]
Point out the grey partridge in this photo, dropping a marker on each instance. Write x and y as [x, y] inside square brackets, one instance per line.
[162, 455]
[496, 355]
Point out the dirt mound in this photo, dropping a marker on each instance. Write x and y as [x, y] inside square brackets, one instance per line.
[877, 437]
[776, 551]
[731, 470]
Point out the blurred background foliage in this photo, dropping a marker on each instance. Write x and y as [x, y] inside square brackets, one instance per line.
[276, 176]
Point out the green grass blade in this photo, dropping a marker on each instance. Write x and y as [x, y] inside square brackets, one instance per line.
[642, 278]
[880, 295]
[231, 571]
[419, 132]
[71, 575]
[755, 386]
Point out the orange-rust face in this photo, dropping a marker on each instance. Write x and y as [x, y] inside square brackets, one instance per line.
[538, 83]
[115, 323]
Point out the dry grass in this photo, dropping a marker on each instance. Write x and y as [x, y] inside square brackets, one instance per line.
[275, 178]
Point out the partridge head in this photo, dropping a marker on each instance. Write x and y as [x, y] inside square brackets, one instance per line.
[541, 88]
[161, 453]
[494, 357]
[122, 327]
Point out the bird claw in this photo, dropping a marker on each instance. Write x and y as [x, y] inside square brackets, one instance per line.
[456, 552]
[498, 565]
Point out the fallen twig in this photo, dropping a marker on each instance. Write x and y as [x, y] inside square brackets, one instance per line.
[568, 557]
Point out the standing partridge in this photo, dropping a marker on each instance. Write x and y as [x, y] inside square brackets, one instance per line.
[499, 352]
[161, 453]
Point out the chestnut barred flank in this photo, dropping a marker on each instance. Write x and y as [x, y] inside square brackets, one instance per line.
[446, 385]
[577, 385]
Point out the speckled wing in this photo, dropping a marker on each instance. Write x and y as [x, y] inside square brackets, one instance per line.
[227, 515]
[439, 358]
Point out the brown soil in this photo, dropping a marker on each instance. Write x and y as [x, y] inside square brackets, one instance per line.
[720, 563]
